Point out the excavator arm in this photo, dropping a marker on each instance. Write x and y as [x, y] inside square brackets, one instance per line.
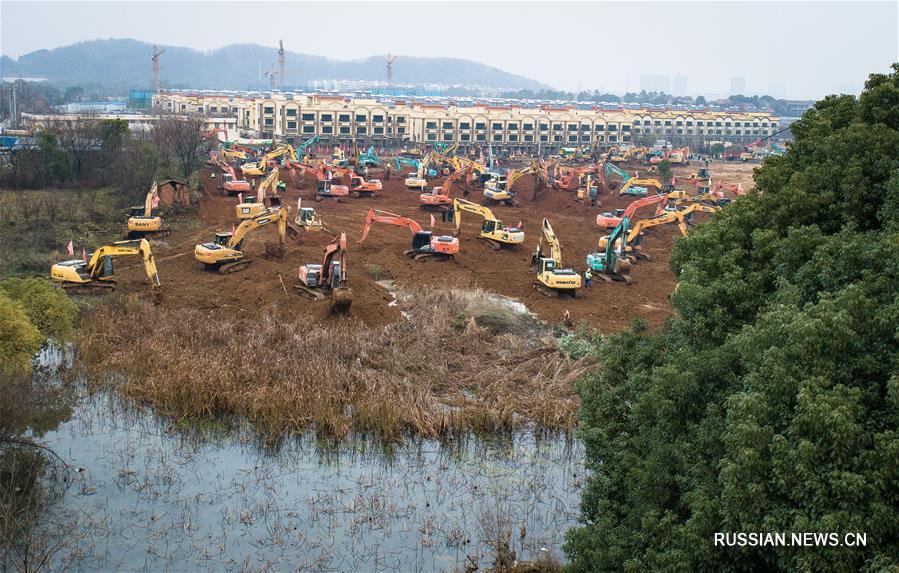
[378, 216]
[554, 247]
[277, 214]
[460, 205]
[121, 248]
[148, 202]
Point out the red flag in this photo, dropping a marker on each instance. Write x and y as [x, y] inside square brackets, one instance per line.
[233, 230]
[155, 201]
[83, 254]
[433, 221]
[520, 226]
[70, 248]
[240, 197]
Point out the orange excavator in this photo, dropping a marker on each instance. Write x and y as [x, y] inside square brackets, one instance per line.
[442, 196]
[570, 179]
[722, 186]
[424, 243]
[316, 281]
[357, 184]
[610, 220]
[231, 184]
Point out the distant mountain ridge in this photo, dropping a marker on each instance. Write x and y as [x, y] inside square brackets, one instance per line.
[126, 63]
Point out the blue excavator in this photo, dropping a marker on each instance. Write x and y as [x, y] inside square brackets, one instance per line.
[610, 263]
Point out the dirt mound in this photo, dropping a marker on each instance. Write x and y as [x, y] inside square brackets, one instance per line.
[268, 281]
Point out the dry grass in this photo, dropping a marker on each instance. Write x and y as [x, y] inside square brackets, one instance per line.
[432, 374]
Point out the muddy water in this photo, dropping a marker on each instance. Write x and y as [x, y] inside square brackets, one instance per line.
[150, 495]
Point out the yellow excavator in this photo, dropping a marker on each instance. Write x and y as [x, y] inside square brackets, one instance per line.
[499, 189]
[634, 186]
[253, 206]
[143, 222]
[258, 168]
[226, 252]
[96, 275]
[493, 231]
[552, 279]
[307, 218]
[634, 237]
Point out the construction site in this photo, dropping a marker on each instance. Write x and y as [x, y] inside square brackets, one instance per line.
[375, 268]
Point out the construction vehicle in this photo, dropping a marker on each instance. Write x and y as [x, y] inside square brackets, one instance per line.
[552, 278]
[493, 231]
[96, 274]
[570, 178]
[268, 160]
[317, 281]
[589, 191]
[326, 189]
[230, 183]
[234, 154]
[610, 220]
[637, 186]
[442, 195]
[399, 162]
[424, 243]
[609, 170]
[673, 156]
[300, 151]
[419, 180]
[369, 158]
[609, 263]
[255, 205]
[499, 188]
[633, 239]
[362, 188]
[143, 222]
[307, 218]
[226, 252]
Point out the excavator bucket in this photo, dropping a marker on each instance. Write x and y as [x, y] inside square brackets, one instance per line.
[341, 299]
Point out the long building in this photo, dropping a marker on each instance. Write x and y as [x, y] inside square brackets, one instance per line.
[515, 126]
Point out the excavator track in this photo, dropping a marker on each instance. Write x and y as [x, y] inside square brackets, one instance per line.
[89, 288]
[234, 267]
[310, 293]
[135, 235]
[427, 256]
[541, 288]
[495, 245]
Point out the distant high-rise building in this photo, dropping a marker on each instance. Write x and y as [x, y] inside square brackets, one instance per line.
[655, 83]
[680, 85]
[737, 86]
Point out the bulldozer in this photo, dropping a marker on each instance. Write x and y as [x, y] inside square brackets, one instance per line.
[307, 218]
[552, 278]
[317, 281]
[97, 275]
[144, 221]
[493, 231]
[226, 252]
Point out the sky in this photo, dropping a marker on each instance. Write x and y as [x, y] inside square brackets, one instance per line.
[788, 49]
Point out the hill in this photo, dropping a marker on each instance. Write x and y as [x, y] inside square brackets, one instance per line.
[126, 64]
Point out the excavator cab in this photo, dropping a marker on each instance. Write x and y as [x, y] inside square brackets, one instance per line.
[137, 211]
[421, 241]
[703, 173]
[222, 238]
[490, 226]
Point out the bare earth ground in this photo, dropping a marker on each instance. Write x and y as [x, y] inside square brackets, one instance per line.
[607, 306]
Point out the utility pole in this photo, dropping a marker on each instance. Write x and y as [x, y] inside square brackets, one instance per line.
[281, 61]
[14, 116]
[390, 60]
[155, 58]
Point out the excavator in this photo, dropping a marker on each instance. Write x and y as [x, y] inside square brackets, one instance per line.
[633, 239]
[673, 156]
[424, 243]
[609, 263]
[638, 186]
[253, 206]
[442, 196]
[142, 222]
[226, 252]
[369, 158]
[230, 184]
[611, 169]
[300, 151]
[610, 220]
[258, 168]
[552, 278]
[419, 180]
[499, 188]
[317, 281]
[307, 218]
[493, 231]
[399, 162]
[326, 188]
[571, 180]
[96, 275]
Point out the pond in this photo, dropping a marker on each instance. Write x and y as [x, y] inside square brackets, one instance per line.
[150, 494]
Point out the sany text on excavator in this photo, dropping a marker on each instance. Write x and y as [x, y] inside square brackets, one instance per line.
[97, 273]
[143, 222]
[424, 243]
[552, 278]
[226, 252]
[493, 231]
[442, 196]
[330, 277]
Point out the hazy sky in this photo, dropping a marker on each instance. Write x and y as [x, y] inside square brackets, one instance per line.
[791, 49]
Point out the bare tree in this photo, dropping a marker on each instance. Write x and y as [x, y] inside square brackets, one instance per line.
[180, 139]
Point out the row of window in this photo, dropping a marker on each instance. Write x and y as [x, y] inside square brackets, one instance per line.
[513, 138]
[527, 127]
[709, 131]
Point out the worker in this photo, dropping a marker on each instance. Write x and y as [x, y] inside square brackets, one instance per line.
[588, 276]
[366, 172]
[567, 319]
[387, 173]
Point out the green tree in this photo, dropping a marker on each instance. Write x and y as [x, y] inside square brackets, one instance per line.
[46, 305]
[665, 171]
[769, 402]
